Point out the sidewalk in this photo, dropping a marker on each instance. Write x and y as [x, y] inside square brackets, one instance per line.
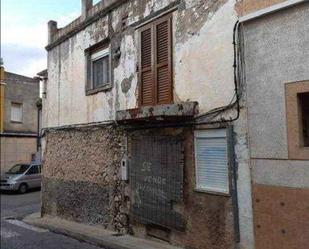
[93, 234]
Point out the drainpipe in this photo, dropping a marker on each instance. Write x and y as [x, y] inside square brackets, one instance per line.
[41, 77]
[39, 108]
[38, 138]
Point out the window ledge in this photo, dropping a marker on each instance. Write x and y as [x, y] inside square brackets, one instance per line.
[212, 192]
[299, 153]
[99, 89]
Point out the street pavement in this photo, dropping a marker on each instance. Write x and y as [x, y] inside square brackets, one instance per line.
[16, 234]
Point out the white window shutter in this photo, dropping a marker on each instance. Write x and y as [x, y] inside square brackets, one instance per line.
[16, 112]
[211, 160]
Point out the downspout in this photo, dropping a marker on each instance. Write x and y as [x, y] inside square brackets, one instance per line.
[2, 89]
[39, 108]
[38, 132]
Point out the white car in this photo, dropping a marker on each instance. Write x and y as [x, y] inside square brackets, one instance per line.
[22, 177]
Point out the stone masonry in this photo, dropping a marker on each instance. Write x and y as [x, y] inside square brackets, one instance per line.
[81, 177]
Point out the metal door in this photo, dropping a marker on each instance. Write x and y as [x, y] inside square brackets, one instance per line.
[156, 176]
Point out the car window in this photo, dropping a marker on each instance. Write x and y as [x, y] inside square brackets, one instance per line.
[33, 170]
[19, 169]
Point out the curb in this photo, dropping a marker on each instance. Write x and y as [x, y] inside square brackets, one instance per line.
[78, 236]
[101, 238]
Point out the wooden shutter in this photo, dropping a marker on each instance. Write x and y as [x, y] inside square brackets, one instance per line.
[156, 63]
[146, 71]
[163, 61]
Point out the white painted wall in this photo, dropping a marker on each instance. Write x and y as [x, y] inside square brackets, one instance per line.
[66, 102]
[204, 63]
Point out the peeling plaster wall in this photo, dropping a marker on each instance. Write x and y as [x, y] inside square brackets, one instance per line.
[66, 100]
[204, 54]
[242, 158]
[203, 32]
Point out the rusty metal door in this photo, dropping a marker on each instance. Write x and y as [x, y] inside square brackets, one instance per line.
[156, 177]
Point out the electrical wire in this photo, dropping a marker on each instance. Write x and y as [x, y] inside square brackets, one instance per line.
[232, 103]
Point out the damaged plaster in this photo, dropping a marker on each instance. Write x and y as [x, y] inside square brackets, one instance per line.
[202, 31]
[201, 72]
[126, 84]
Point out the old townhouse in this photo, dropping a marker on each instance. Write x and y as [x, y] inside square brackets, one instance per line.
[179, 120]
[19, 119]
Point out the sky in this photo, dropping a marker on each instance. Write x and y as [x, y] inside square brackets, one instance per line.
[24, 31]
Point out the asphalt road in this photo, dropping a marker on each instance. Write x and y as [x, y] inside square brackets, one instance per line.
[15, 234]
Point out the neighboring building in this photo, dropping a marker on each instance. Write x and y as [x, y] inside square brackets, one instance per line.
[19, 119]
[277, 83]
[149, 130]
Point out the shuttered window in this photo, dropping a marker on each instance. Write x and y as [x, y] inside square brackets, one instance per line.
[16, 112]
[211, 160]
[155, 63]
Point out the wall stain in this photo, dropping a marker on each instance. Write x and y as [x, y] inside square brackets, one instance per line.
[126, 84]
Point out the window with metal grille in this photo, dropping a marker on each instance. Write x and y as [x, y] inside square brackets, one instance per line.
[155, 62]
[211, 160]
[17, 112]
[98, 69]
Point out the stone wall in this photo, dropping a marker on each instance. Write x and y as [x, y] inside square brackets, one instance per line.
[81, 177]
